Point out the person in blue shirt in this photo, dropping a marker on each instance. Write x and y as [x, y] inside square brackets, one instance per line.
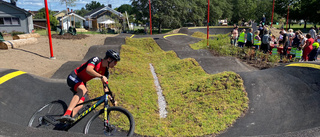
[249, 42]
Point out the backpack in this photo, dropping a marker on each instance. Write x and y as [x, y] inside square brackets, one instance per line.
[265, 39]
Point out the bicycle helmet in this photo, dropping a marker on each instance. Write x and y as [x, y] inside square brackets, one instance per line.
[113, 54]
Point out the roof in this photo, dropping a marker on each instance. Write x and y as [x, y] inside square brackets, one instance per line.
[64, 11]
[15, 7]
[72, 15]
[96, 12]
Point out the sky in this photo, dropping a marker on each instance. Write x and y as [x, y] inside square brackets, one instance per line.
[55, 5]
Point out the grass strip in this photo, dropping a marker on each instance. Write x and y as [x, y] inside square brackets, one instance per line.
[197, 103]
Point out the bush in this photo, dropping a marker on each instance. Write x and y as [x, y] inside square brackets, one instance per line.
[139, 31]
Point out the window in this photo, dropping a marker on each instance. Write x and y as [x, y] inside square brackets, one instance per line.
[9, 21]
[15, 21]
[1, 21]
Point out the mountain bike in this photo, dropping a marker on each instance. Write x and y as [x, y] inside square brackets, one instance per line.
[110, 120]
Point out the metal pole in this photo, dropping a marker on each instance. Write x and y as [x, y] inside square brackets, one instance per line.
[287, 18]
[272, 13]
[150, 17]
[49, 29]
[208, 23]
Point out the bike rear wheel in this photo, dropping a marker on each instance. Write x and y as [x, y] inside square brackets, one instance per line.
[121, 123]
[46, 116]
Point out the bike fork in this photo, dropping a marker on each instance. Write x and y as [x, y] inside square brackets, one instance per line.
[107, 128]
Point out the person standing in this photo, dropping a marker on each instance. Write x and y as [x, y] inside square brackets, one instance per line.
[242, 40]
[256, 40]
[290, 36]
[307, 48]
[313, 33]
[296, 40]
[265, 46]
[314, 52]
[249, 42]
[263, 20]
[285, 40]
[235, 35]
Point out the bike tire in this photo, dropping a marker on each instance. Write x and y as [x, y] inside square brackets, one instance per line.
[119, 118]
[52, 110]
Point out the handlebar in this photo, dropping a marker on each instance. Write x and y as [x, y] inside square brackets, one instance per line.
[105, 85]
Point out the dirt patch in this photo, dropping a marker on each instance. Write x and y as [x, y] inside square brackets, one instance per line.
[35, 59]
[252, 61]
[69, 36]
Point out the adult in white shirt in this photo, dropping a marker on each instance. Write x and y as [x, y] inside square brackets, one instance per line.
[313, 33]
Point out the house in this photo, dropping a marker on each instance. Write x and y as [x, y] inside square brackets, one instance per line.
[60, 14]
[72, 19]
[96, 19]
[13, 18]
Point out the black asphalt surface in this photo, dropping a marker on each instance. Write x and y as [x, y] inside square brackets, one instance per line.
[284, 101]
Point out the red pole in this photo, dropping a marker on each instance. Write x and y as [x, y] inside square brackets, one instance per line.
[287, 19]
[208, 23]
[272, 13]
[150, 18]
[49, 29]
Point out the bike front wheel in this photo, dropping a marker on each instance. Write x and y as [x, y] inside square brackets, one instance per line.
[120, 123]
[46, 116]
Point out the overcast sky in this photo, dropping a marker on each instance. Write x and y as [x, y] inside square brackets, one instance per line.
[55, 5]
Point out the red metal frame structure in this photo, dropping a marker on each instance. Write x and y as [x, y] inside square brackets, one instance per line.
[150, 18]
[208, 23]
[49, 29]
[272, 13]
[287, 18]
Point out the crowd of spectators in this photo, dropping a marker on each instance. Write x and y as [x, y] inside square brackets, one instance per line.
[304, 47]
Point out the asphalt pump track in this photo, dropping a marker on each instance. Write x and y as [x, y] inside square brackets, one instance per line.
[284, 101]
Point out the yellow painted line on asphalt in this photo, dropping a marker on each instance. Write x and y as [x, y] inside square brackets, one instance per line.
[131, 36]
[10, 76]
[174, 35]
[306, 65]
[197, 27]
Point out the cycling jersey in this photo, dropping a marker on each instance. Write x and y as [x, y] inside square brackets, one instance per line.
[79, 76]
[96, 62]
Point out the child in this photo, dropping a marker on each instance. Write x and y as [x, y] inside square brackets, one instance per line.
[314, 52]
[273, 42]
[280, 40]
[256, 40]
[231, 38]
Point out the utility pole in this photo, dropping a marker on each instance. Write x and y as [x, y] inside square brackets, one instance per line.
[208, 23]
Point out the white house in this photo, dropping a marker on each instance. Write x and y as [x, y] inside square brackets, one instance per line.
[96, 18]
[70, 20]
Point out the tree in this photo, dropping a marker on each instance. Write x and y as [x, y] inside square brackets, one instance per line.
[125, 7]
[81, 12]
[70, 3]
[220, 9]
[42, 15]
[141, 8]
[93, 5]
[197, 12]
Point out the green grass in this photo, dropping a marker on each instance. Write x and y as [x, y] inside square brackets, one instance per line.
[296, 27]
[197, 103]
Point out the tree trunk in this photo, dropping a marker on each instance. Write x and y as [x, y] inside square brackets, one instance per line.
[10, 44]
[305, 24]
[289, 23]
[159, 28]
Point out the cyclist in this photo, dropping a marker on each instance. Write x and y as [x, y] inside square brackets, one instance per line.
[93, 68]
